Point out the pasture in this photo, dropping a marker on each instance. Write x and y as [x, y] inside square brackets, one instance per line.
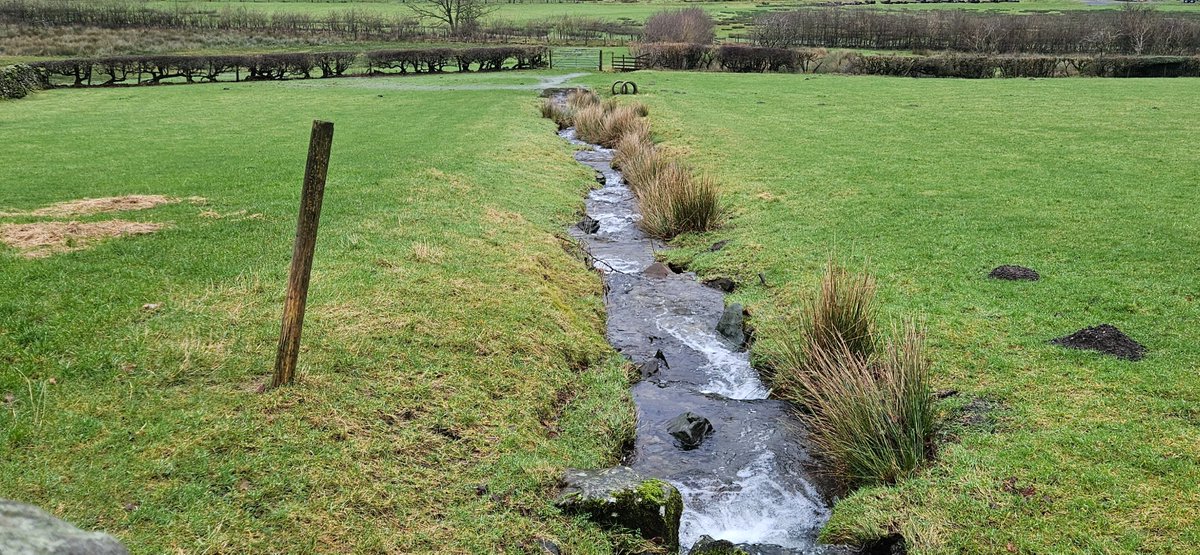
[454, 359]
[931, 183]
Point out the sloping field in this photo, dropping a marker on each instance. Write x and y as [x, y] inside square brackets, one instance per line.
[453, 358]
[931, 184]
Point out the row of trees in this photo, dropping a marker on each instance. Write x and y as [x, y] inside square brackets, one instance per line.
[457, 19]
[1133, 30]
[746, 58]
[292, 65]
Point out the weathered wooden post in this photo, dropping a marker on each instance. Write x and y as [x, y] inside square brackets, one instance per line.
[302, 254]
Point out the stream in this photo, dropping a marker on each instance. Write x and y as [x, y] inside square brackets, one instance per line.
[748, 482]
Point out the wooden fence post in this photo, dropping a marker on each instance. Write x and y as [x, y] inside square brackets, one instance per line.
[302, 253]
[601, 67]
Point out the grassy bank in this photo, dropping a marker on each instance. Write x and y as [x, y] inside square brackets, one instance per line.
[453, 357]
[933, 183]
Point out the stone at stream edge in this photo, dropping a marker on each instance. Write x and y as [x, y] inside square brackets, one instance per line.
[620, 496]
[707, 545]
[689, 429]
[28, 530]
[722, 284]
[657, 270]
[731, 325]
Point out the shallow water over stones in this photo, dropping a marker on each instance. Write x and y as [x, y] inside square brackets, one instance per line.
[748, 481]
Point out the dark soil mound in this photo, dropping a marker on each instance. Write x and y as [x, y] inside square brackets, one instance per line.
[1014, 273]
[1106, 339]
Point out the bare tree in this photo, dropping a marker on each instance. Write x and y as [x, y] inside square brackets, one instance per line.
[459, 15]
[1137, 24]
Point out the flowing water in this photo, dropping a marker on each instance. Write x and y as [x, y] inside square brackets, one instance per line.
[749, 481]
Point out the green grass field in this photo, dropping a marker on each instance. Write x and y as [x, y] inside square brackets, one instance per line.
[931, 183]
[451, 340]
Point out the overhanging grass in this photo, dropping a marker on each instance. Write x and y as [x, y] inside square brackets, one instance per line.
[1091, 182]
[448, 345]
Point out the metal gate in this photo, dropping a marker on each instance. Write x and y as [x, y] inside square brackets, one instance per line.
[577, 58]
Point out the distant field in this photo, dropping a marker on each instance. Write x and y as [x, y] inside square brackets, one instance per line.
[933, 182]
[453, 356]
[639, 11]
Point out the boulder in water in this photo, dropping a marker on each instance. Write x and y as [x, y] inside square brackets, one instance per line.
[28, 530]
[622, 497]
[706, 545]
[588, 225]
[689, 429]
[732, 325]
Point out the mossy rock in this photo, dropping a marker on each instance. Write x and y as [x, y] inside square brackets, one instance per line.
[708, 546]
[620, 497]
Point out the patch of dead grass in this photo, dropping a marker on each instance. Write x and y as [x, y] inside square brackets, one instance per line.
[42, 239]
[89, 206]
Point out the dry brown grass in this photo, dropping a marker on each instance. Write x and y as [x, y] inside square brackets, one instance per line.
[579, 99]
[606, 123]
[675, 200]
[89, 206]
[842, 313]
[869, 409]
[41, 239]
[56, 41]
[871, 417]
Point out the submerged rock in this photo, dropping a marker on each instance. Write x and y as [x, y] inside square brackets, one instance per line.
[622, 497]
[28, 530]
[588, 225]
[653, 365]
[732, 325]
[689, 429]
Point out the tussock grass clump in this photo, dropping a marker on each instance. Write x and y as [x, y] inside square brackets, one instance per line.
[564, 113]
[579, 99]
[872, 417]
[673, 198]
[867, 401]
[675, 201]
[606, 123]
[842, 314]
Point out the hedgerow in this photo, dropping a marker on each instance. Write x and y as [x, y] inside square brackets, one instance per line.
[156, 69]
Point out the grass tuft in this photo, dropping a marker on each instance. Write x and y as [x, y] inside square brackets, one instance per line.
[869, 409]
[675, 201]
[871, 417]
